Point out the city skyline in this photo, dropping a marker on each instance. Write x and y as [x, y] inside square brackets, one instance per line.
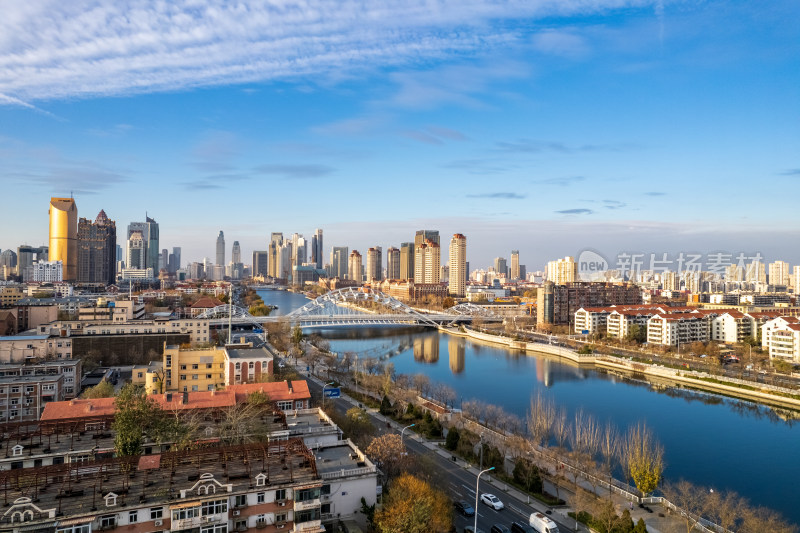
[544, 127]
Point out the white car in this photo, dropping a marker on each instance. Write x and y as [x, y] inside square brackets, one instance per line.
[492, 501]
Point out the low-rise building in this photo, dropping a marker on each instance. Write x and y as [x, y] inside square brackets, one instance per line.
[23, 398]
[676, 329]
[21, 348]
[71, 369]
[780, 336]
[732, 327]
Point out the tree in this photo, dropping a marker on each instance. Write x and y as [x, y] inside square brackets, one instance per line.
[448, 302]
[637, 333]
[689, 499]
[527, 474]
[104, 389]
[644, 458]
[135, 414]
[389, 453]
[297, 336]
[453, 436]
[541, 419]
[413, 506]
[259, 310]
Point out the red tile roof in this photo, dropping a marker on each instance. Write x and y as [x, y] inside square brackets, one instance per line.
[206, 302]
[78, 409]
[276, 391]
[197, 400]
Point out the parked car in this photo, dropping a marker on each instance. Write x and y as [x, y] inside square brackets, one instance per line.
[470, 529]
[499, 528]
[492, 501]
[464, 508]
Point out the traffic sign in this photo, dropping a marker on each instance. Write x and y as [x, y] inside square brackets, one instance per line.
[335, 392]
[585, 332]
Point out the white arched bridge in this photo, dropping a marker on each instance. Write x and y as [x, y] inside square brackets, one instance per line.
[353, 306]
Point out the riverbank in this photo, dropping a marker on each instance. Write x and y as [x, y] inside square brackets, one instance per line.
[766, 394]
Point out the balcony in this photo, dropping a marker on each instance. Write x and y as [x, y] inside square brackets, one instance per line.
[308, 504]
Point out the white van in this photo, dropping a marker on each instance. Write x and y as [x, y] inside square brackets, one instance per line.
[542, 524]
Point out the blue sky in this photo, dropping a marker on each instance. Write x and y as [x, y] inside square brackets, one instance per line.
[547, 127]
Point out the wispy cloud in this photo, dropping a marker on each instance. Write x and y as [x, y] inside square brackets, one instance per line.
[84, 48]
[478, 166]
[435, 135]
[561, 42]
[11, 101]
[539, 146]
[562, 181]
[499, 195]
[791, 172]
[216, 152]
[295, 171]
[613, 204]
[117, 130]
[575, 212]
[655, 193]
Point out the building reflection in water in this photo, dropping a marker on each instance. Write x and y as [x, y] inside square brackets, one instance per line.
[426, 349]
[456, 347]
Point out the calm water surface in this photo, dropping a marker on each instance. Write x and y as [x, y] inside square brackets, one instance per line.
[709, 440]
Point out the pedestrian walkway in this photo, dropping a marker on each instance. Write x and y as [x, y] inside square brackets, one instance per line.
[655, 523]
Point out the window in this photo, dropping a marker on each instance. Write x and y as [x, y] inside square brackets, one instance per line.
[194, 376]
[14, 390]
[111, 501]
[307, 495]
[185, 514]
[133, 517]
[183, 367]
[208, 365]
[194, 366]
[74, 529]
[240, 500]
[16, 450]
[261, 497]
[140, 375]
[285, 405]
[108, 522]
[183, 377]
[214, 507]
[222, 528]
[306, 516]
[208, 376]
[194, 388]
[281, 517]
[280, 494]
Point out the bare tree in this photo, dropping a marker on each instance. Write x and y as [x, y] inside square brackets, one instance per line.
[609, 448]
[689, 499]
[561, 429]
[585, 440]
[422, 383]
[541, 419]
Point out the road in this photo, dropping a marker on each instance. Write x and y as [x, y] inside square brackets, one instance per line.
[456, 478]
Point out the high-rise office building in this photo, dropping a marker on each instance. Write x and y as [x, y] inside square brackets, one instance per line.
[316, 248]
[374, 264]
[501, 267]
[64, 235]
[174, 263]
[339, 258]
[779, 273]
[514, 273]
[8, 258]
[299, 247]
[220, 249]
[275, 242]
[163, 260]
[427, 262]
[260, 263]
[355, 267]
[458, 265]
[283, 262]
[137, 251]
[407, 260]
[236, 253]
[393, 263]
[149, 234]
[97, 250]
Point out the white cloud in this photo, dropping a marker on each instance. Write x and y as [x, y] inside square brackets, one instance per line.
[54, 49]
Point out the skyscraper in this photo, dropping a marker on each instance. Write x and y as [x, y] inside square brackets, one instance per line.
[236, 253]
[26, 256]
[64, 235]
[339, 258]
[97, 250]
[393, 263]
[501, 266]
[275, 242]
[458, 265]
[149, 235]
[163, 260]
[407, 260]
[137, 256]
[562, 271]
[427, 262]
[779, 273]
[175, 259]
[260, 263]
[316, 248]
[220, 249]
[355, 267]
[374, 264]
[514, 274]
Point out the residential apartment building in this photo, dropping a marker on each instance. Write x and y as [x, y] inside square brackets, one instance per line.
[427, 262]
[70, 369]
[406, 261]
[557, 304]
[194, 370]
[23, 398]
[393, 263]
[216, 487]
[374, 269]
[780, 336]
[732, 327]
[21, 348]
[458, 266]
[676, 329]
[562, 271]
[354, 267]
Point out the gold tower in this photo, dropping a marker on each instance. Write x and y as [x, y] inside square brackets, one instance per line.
[64, 235]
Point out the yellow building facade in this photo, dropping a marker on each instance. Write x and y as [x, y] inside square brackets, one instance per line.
[64, 235]
[193, 370]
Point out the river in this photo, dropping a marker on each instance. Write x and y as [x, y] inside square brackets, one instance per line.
[713, 441]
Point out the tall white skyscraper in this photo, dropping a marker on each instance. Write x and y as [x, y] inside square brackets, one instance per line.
[375, 264]
[514, 273]
[355, 267]
[458, 265]
[316, 248]
[779, 273]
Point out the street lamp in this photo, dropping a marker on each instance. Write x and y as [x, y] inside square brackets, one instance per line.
[323, 394]
[477, 485]
[404, 430]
